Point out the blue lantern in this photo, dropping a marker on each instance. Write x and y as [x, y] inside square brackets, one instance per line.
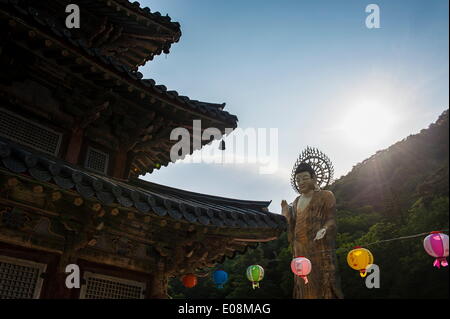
[220, 278]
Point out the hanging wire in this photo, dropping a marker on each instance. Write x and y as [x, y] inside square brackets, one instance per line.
[404, 237]
[380, 241]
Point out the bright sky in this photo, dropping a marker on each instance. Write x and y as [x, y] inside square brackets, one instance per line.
[311, 69]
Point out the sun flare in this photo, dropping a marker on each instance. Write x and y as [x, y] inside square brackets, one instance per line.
[368, 122]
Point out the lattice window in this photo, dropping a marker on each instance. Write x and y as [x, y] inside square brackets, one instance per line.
[20, 279]
[96, 160]
[24, 131]
[105, 287]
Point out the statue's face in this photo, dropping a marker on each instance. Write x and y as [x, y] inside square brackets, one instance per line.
[305, 182]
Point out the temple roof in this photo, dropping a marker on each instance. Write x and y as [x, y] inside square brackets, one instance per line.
[212, 109]
[146, 11]
[91, 77]
[146, 197]
[123, 30]
[151, 108]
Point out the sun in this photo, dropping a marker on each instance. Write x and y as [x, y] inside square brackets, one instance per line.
[367, 122]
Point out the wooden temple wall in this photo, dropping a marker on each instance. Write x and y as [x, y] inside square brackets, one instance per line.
[54, 279]
[56, 229]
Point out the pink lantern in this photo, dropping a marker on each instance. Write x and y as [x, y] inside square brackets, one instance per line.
[436, 245]
[301, 266]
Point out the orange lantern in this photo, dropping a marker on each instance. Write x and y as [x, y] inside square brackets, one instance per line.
[189, 281]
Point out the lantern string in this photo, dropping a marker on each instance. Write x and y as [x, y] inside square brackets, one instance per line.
[380, 241]
[366, 245]
[403, 237]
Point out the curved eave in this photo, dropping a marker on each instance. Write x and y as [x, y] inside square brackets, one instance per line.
[226, 219]
[108, 65]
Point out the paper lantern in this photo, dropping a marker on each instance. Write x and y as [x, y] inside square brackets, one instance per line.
[301, 266]
[436, 245]
[220, 277]
[255, 273]
[359, 258]
[189, 281]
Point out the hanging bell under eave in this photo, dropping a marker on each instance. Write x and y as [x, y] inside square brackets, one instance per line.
[222, 145]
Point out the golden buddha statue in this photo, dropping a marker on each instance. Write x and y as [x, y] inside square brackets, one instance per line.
[312, 226]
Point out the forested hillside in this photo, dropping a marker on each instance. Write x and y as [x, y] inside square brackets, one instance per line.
[400, 191]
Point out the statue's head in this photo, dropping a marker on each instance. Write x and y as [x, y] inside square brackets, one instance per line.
[305, 178]
[311, 169]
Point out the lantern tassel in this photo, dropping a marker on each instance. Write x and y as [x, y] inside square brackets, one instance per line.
[441, 261]
[305, 279]
[437, 263]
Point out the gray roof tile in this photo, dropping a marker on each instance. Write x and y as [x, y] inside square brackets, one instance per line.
[146, 197]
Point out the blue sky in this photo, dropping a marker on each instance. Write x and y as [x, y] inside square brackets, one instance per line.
[312, 70]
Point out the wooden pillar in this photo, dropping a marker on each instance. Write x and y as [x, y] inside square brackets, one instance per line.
[158, 287]
[73, 242]
[74, 147]
[120, 164]
[57, 288]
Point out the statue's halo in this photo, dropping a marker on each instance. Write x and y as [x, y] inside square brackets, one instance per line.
[319, 162]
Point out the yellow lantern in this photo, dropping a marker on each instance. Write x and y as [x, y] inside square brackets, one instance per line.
[359, 258]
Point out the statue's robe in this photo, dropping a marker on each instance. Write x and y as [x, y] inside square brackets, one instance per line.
[302, 229]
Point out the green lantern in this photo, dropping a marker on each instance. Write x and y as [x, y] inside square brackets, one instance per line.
[255, 273]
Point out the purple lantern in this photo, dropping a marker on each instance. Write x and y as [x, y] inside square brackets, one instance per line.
[436, 245]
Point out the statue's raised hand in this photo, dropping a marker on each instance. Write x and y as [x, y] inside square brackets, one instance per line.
[320, 234]
[284, 208]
